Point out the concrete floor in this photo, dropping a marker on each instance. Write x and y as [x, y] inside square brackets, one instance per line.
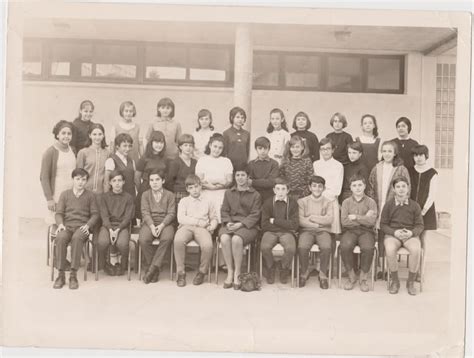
[116, 313]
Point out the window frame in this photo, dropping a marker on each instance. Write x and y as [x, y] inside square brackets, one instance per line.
[324, 59]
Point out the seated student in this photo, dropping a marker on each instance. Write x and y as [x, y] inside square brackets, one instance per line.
[116, 210]
[354, 167]
[315, 216]
[358, 217]
[402, 224]
[263, 170]
[158, 213]
[76, 215]
[197, 219]
[240, 214]
[279, 224]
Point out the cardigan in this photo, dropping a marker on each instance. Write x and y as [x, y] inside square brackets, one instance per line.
[93, 160]
[396, 217]
[162, 212]
[285, 223]
[49, 164]
[241, 206]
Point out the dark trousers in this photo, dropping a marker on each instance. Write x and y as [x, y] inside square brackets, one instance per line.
[151, 255]
[366, 241]
[270, 239]
[122, 243]
[306, 240]
[76, 238]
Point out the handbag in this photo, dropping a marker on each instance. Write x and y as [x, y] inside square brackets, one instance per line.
[249, 282]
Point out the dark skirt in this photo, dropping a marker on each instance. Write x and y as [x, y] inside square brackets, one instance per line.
[248, 235]
[429, 219]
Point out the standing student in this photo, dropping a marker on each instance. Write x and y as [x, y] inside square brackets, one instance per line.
[122, 161]
[301, 125]
[402, 224]
[333, 173]
[355, 166]
[279, 225]
[404, 142]
[263, 170]
[93, 158]
[203, 132]
[158, 212]
[240, 215]
[76, 215]
[165, 123]
[215, 172]
[370, 141]
[181, 167]
[237, 139]
[82, 125]
[340, 138]
[358, 216]
[116, 211]
[126, 124]
[424, 182]
[197, 218]
[154, 158]
[296, 167]
[277, 133]
[56, 166]
[315, 219]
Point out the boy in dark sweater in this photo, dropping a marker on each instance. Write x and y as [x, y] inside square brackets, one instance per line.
[354, 167]
[116, 210]
[263, 170]
[158, 213]
[279, 224]
[402, 224]
[76, 214]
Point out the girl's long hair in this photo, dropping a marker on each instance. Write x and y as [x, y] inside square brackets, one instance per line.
[375, 132]
[284, 126]
[103, 144]
[397, 161]
[287, 152]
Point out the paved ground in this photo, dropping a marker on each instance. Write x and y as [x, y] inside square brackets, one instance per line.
[113, 312]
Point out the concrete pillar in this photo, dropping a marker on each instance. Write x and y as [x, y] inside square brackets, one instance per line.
[428, 105]
[243, 70]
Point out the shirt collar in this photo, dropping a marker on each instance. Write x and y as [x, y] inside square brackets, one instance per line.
[358, 201]
[249, 189]
[285, 199]
[399, 138]
[76, 193]
[122, 157]
[401, 203]
[267, 159]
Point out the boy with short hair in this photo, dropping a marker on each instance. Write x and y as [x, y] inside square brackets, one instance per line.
[358, 217]
[279, 224]
[197, 218]
[402, 224]
[315, 219]
[76, 215]
[158, 213]
[263, 170]
[116, 210]
[354, 167]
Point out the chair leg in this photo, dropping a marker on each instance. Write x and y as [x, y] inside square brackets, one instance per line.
[48, 253]
[388, 274]
[217, 264]
[293, 272]
[128, 266]
[297, 271]
[373, 268]
[422, 259]
[171, 261]
[339, 267]
[96, 259]
[139, 262]
[248, 257]
[330, 270]
[52, 257]
[260, 264]
[86, 258]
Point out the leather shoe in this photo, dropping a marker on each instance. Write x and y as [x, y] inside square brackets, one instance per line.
[411, 288]
[349, 285]
[198, 279]
[149, 274]
[228, 285]
[270, 275]
[60, 281]
[119, 269]
[284, 274]
[109, 269]
[394, 287]
[237, 286]
[73, 283]
[156, 276]
[323, 283]
[364, 286]
[181, 282]
[302, 282]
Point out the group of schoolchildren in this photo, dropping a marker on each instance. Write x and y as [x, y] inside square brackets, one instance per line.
[297, 192]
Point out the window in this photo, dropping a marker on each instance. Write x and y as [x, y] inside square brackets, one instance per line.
[128, 62]
[445, 102]
[310, 71]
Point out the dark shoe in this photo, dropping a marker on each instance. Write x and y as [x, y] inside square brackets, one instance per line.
[302, 282]
[150, 274]
[394, 287]
[119, 269]
[349, 285]
[284, 275]
[68, 265]
[156, 277]
[60, 280]
[364, 286]
[323, 283]
[181, 282]
[109, 269]
[228, 285]
[270, 275]
[411, 288]
[199, 278]
[73, 283]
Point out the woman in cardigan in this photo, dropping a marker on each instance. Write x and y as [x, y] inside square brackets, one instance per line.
[56, 167]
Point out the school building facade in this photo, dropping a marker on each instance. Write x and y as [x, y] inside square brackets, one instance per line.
[309, 60]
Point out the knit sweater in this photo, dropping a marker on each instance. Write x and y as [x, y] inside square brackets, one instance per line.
[315, 214]
[74, 212]
[285, 215]
[241, 206]
[396, 217]
[263, 174]
[116, 210]
[155, 213]
[360, 208]
[297, 172]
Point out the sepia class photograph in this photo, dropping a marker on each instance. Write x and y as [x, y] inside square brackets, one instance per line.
[239, 179]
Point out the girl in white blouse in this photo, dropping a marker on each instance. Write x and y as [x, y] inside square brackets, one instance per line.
[203, 132]
[277, 133]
